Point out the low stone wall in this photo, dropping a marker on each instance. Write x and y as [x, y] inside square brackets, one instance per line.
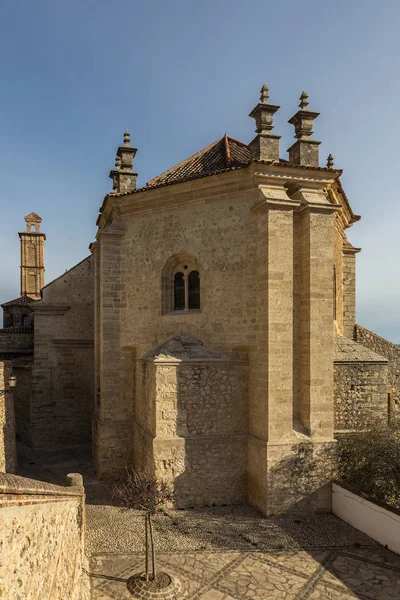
[388, 350]
[360, 395]
[360, 386]
[42, 529]
[8, 452]
[376, 519]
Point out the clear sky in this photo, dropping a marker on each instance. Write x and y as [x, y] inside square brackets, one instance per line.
[179, 74]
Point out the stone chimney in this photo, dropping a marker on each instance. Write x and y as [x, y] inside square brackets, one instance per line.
[304, 151]
[123, 177]
[265, 145]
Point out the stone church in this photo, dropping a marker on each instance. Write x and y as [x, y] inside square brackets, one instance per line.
[210, 336]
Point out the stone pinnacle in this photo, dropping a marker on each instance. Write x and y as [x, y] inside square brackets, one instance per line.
[264, 94]
[303, 101]
[127, 138]
[329, 162]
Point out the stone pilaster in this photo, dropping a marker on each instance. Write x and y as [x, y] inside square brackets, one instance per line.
[112, 427]
[271, 402]
[349, 289]
[315, 343]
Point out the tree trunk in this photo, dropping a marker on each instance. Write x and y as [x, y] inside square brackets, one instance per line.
[153, 552]
[147, 546]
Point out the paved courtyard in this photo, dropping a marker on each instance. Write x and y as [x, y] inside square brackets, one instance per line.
[331, 574]
[233, 553]
[225, 553]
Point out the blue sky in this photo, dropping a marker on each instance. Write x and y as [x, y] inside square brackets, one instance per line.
[179, 74]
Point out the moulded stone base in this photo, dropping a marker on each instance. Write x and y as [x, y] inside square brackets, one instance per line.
[299, 477]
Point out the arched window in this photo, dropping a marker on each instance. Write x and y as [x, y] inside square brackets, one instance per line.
[179, 291]
[194, 290]
[181, 284]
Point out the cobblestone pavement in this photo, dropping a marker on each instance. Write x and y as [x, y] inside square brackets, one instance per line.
[329, 574]
[111, 529]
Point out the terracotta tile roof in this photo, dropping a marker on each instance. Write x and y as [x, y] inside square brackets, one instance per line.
[21, 301]
[225, 153]
[16, 329]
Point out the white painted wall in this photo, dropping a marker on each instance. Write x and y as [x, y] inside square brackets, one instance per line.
[378, 523]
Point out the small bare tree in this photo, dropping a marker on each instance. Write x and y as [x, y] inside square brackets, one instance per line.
[141, 491]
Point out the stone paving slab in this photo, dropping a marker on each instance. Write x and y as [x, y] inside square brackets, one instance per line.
[330, 574]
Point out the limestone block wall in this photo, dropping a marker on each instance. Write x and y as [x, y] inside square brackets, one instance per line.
[42, 551]
[63, 370]
[360, 395]
[22, 369]
[211, 224]
[8, 454]
[15, 343]
[390, 351]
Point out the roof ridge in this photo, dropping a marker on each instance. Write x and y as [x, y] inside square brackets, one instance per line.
[24, 296]
[227, 151]
[183, 162]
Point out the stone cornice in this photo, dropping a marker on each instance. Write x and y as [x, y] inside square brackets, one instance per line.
[94, 246]
[314, 200]
[73, 343]
[290, 174]
[274, 196]
[110, 231]
[350, 250]
[50, 309]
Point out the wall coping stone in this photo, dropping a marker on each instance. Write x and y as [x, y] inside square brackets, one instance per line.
[17, 485]
[346, 351]
[357, 492]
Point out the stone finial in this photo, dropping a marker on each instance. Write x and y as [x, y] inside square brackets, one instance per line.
[127, 138]
[264, 94]
[303, 101]
[329, 162]
[304, 151]
[265, 146]
[123, 176]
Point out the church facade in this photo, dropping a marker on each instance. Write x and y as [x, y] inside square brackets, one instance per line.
[211, 337]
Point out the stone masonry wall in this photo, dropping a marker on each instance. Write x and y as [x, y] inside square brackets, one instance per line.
[8, 454]
[360, 395]
[388, 350]
[212, 232]
[22, 369]
[62, 373]
[42, 551]
[15, 343]
[201, 427]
